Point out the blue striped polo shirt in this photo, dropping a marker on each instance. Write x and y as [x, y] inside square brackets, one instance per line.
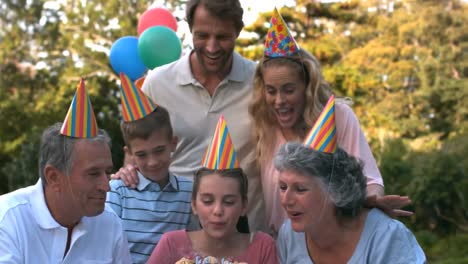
[147, 212]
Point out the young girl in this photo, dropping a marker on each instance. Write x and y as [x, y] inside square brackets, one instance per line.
[219, 198]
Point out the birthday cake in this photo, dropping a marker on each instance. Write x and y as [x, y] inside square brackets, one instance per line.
[207, 260]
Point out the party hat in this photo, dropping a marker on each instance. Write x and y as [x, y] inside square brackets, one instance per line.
[322, 136]
[80, 121]
[279, 41]
[220, 154]
[135, 104]
[139, 82]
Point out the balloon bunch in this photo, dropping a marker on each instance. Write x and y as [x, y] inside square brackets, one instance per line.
[157, 44]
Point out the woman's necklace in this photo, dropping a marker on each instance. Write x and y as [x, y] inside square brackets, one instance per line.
[308, 246]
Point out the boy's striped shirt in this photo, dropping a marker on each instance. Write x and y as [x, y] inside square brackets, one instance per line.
[147, 212]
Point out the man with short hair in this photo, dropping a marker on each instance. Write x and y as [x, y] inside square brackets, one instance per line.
[196, 89]
[63, 219]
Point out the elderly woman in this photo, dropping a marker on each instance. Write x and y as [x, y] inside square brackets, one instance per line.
[323, 196]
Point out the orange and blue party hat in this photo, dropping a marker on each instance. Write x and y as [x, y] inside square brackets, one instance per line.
[322, 136]
[279, 41]
[80, 121]
[139, 82]
[220, 154]
[135, 104]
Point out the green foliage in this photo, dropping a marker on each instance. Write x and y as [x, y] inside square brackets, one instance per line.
[46, 48]
[444, 250]
[404, 62]
[22, 171]
[436, 180]
[395, 167]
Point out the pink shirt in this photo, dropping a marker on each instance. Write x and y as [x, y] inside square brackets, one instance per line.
[175, 245]
[349, 137]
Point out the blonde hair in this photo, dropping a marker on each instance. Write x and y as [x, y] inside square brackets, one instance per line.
[317, 92]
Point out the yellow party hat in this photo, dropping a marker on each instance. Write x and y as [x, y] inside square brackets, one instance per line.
[322, 136]
[220, 154]
[135, 104]
[279, 41]
[80, 121]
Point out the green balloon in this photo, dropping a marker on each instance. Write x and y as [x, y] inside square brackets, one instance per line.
[158, 45]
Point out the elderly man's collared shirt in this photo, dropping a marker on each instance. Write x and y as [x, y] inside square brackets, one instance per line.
[194, 115]
[148, 211]
[29, 233]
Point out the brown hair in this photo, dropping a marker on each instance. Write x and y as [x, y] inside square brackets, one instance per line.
[229, 10]
[158, 120]
[317, 92]
[237, 174]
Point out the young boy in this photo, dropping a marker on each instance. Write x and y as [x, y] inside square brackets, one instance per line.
[161, 201]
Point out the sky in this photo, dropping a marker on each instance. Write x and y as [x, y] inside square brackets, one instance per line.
[253, 7]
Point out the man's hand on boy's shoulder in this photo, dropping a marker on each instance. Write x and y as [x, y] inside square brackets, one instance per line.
[128, 174]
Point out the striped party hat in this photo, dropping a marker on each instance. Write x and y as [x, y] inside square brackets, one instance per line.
[220, 154]
[139, 82]
[135, 104]
[279, 41]
[80, 121]
[322, 136]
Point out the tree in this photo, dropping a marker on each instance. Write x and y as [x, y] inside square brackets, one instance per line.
[46, 48]
[404, 81]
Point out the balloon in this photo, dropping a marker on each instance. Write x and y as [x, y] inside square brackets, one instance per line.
[156, 17]
[158, 45]
[124, 57]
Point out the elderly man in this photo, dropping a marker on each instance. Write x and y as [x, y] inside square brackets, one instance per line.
[63, 219]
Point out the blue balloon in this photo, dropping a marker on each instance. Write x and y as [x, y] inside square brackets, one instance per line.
[124, 57]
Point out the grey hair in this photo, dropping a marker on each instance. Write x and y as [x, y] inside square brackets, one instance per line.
[340, 174]
[57, 149]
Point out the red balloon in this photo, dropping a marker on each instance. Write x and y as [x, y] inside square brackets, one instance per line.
[156, 17]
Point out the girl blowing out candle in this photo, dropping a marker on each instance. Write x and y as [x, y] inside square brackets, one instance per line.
[219, 199]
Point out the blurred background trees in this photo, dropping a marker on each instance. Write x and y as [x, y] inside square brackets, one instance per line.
[404, 64]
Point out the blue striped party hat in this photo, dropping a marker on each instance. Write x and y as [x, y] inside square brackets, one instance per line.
[220, 154]
[135, 104]
[80, 121]
[322, 136]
